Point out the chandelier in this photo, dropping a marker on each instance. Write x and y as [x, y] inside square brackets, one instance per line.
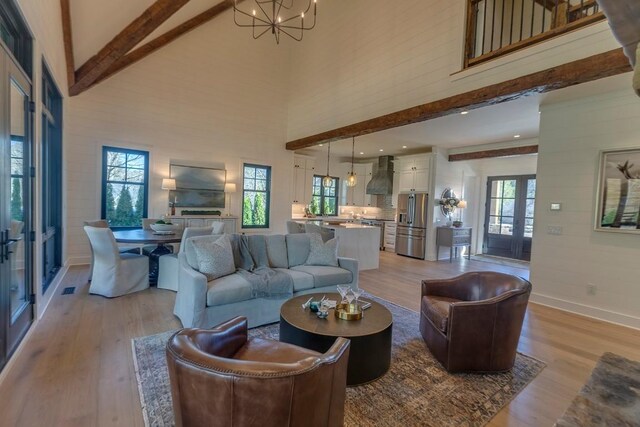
[276, 15]
[351, 180]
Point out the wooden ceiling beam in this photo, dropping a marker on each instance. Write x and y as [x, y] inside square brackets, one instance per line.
[68, 42]
[126, 40]
[500, 152]
[581, 71]
[163, 40]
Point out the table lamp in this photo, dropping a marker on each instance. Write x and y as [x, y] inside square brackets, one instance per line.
[229, 187]
[170, 184]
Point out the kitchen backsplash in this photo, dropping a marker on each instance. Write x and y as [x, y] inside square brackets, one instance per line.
[386, 210]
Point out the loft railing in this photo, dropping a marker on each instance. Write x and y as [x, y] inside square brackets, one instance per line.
[498, 27]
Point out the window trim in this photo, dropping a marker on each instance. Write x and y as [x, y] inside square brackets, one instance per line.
[103, 196]
[267, 193]
[322, 195]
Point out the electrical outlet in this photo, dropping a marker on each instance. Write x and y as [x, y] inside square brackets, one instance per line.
[556, 230]
[591, 289]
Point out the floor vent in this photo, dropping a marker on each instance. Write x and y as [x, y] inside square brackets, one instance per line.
[69, 291]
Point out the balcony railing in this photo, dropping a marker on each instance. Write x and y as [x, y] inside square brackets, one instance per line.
[498, 27]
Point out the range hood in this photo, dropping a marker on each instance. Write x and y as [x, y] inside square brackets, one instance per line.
[382, 181]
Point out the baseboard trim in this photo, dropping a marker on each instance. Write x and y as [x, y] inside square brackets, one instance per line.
[587, 311]
[16, 354]
[53, 288]
[78, 260]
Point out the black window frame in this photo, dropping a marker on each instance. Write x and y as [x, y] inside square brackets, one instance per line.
[267, 193]
[145, 185]
[51, 179]
[323, 196]
[12, 24]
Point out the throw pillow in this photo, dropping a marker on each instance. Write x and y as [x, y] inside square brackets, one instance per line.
[321, 253]
[217, 227]
[215, 257]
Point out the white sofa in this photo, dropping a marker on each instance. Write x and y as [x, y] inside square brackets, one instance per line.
[203, 304]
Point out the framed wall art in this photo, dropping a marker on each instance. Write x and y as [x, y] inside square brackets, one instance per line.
[618, 204]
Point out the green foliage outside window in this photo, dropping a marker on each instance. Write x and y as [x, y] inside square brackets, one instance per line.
[125, 175]
[324, 201]
[255, 196]
[16, 199]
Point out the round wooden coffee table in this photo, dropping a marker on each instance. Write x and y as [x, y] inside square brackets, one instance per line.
[370, 350]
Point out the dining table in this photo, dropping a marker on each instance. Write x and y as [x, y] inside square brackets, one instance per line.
[149, 237]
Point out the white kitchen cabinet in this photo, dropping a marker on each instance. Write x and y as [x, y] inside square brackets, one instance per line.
[390, 236]
[357, 195]
[303, 171]
[413, 173]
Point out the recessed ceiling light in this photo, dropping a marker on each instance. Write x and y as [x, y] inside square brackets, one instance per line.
[516, 136]
[381, 150]
[404, 146]
[320, 145]
[361, 152]
[464, 113]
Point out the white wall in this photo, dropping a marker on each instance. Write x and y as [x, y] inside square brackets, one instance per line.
[213, 96]
[366, 58]
[43, 20]
[571, 136]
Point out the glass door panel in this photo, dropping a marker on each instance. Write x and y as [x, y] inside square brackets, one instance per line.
[509, 216]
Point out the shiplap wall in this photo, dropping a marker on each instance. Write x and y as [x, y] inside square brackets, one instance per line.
[212, 96]
[571, 136]
[366, 58]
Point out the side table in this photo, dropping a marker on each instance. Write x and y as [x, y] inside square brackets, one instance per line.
[453, 237]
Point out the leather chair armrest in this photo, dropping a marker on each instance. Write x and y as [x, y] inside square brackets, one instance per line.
[225, 339]
[338, 349]
[450, 288]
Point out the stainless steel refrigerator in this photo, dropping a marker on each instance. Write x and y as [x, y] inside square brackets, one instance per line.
[411, 234]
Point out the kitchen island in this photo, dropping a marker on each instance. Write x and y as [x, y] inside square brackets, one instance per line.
[361, 242]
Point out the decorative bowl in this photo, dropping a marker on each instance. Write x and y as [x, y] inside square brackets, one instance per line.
[163, 227]
[348, 312]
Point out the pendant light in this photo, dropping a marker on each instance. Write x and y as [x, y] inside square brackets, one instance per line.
[327, 181]
[351, 177]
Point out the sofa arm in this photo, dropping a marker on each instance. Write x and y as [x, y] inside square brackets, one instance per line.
[191, 299]
[351, 265]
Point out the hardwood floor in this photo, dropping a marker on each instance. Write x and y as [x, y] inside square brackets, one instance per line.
[76, 369]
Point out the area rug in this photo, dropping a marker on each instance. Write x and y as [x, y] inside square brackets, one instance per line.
[611, 396]
[416, 391]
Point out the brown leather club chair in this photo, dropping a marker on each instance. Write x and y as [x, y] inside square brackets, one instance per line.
[221, 378]
[472, 323]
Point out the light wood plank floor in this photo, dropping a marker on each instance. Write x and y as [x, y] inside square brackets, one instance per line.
[76, 369]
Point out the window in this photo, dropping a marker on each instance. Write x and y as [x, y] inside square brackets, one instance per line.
[15, 35]
[51, 179]
[17, 175]
[125, 176]
[324, 201]
[256, 196]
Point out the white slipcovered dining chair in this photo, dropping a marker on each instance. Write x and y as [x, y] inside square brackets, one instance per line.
[168, 264]
[115, 274]
[294, 227]
[102, 223]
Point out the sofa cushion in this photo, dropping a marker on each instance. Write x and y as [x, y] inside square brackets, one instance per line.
[277, 251]
[241, 255]
[325, 275]
[297, 249]
[215, 257]
[301, 280]
[321, 253]
[228, 289]
[437, 310]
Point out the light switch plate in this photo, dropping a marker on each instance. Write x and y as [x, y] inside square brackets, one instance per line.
[555, 206]
[556, 230]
